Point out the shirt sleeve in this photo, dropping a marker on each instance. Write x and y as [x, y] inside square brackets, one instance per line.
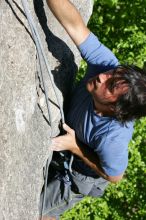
[95, 53]
[113, 150]
[98, 57]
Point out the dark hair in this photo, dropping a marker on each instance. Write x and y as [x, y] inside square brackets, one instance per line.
[132, 104]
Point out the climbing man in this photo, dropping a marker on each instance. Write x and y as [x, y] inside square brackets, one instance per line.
[100, 119]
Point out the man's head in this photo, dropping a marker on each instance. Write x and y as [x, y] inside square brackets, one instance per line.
[120, 91]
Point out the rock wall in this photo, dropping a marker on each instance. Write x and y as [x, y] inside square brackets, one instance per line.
[24, 128]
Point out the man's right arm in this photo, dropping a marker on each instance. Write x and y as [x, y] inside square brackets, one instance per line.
[70, 18]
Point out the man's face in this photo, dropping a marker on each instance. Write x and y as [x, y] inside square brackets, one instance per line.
[102, 89]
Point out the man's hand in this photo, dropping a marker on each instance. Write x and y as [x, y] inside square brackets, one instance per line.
[65, 142]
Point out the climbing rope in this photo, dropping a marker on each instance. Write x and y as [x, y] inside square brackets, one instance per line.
[41, 55]
[42, 59]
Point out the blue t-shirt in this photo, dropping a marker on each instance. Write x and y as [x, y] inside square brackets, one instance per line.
[106, 136]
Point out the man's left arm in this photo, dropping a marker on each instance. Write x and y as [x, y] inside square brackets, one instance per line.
[69, 142]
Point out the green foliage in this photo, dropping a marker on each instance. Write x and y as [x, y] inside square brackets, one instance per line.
[121, 26]
[82, 70]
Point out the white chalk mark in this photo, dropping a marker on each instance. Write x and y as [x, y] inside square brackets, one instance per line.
[19, 119]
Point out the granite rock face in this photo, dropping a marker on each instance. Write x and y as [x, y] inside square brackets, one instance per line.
[24, 128]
